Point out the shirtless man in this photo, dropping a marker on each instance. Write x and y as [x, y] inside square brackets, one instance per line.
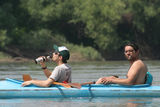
[136, 73]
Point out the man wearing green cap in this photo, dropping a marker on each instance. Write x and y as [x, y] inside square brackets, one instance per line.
[61, 73]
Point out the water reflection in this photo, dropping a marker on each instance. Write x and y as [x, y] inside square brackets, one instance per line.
[81, 102]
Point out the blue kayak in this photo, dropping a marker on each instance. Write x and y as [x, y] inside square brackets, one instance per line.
[11, 88]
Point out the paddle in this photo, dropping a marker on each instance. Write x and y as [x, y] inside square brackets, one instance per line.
[27, 77]
[93, 82]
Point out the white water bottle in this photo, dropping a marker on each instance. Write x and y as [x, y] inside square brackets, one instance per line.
[43, 59]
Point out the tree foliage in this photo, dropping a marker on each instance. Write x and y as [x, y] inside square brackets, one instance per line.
[105, 25]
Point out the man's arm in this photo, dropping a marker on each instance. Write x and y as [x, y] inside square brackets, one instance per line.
[45, 83]
[131, 76]
[121, 81]
[46, 71]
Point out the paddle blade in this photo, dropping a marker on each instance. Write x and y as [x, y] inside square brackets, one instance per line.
[26, 77]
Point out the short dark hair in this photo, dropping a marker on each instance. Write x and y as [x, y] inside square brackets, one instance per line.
[134, 45]
[64, 60]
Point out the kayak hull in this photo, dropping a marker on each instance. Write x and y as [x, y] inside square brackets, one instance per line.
[10, 88]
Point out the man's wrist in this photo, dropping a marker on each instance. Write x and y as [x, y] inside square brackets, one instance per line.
[112, 81]
[44, 67]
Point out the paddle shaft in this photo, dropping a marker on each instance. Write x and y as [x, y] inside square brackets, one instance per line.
[93, 82]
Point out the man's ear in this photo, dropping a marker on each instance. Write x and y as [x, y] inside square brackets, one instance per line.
[61, 57]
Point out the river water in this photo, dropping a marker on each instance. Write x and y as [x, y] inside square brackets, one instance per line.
[81, 72]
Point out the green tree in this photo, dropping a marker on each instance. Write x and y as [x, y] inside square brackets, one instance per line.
[101, 19]
[141, 24]
[34, 25]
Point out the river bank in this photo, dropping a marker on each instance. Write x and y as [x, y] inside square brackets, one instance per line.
[77, 54]
[4, 57]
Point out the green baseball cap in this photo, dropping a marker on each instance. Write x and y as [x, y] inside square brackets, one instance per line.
[64, 52]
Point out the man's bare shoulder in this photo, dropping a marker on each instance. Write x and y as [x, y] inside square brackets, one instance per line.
[138, 62]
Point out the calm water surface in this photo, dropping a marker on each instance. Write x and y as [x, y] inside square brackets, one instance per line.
[81, 72]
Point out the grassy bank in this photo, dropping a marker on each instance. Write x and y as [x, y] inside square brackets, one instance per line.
[4, 57]
[77, 53]
[81, 53]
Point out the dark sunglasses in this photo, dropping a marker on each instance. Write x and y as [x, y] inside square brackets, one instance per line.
[56, 53]
[51, 54]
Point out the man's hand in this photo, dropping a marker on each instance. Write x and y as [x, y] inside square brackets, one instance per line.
[26, 83]
[105, 80]
[42, 64]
